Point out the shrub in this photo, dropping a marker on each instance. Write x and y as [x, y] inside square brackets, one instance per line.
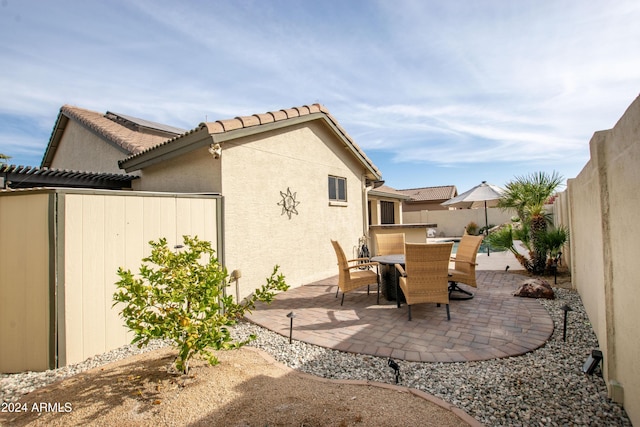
[180, 296]
[486, 228]
[472, 228]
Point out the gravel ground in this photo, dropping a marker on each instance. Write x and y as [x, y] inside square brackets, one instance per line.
[544, 387]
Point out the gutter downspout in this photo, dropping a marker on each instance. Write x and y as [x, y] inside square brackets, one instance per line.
[365, 206]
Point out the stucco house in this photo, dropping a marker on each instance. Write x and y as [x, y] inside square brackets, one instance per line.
[291, 180]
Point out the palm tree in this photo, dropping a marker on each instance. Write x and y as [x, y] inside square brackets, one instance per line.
[528, 195]
[4, 158]
[502, 240]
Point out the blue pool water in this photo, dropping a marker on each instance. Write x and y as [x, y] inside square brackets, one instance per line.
[456, 242]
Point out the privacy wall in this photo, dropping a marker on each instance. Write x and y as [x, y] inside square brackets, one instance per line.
[58, 262]
[601, 207]
[453, 222]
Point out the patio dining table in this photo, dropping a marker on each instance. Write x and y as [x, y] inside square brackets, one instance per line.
[389, 276]
[390, 279]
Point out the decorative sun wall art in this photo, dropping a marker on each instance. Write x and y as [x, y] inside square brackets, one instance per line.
[288, 203]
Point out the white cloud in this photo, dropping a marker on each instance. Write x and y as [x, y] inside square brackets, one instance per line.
[446, 81]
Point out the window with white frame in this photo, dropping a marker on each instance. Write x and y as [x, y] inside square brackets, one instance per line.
[337, 189]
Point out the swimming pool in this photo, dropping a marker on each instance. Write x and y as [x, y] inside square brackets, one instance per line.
[456, 242]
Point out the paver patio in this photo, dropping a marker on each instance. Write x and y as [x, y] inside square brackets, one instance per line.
[493, 324]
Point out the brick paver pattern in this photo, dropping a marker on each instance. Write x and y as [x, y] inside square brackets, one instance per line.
[492, 325]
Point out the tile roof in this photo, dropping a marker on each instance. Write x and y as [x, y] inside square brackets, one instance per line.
[122, 130]
[426, 194]
[246, 122]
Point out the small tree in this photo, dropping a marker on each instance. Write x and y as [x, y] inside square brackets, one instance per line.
[528, 195]
[180, 296]
[550, 243]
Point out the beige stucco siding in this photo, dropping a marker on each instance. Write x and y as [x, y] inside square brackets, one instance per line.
[194, 172]
[587, 217]
[255, 173]
[603, 202]
[81, 149]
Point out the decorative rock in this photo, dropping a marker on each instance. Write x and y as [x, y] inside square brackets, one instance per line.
[543, 387]
[535, 288]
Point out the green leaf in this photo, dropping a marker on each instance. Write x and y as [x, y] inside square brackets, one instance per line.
[178, 295]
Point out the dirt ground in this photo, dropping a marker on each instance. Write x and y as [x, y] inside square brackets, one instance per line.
[247, 388]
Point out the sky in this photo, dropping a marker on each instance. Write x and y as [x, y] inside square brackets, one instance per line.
[434, 92]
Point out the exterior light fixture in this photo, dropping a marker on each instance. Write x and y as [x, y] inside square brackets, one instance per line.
[592, 362]
[215, 150]
[566, 310]
[291, 316]
[393, 365]
[234, 277]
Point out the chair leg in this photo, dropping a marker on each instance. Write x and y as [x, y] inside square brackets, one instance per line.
[448, 314]
[367, 289]
[337, 290]
[395, 280]
[342, 302]
[378, 282]
[409, 311]
[453, 286]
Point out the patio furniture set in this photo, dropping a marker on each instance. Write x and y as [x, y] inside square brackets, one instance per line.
[413, 272]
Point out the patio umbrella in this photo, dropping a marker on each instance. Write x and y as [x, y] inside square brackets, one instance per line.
[476, 197]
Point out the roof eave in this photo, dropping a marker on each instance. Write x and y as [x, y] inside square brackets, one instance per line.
[389, 195]
[220, 137]
[208, 133]
[54, 139]
[197, 138]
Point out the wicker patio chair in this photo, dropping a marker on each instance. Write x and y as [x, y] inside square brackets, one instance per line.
[464, 270]
[390, 244]
[424, 277]
[355, 273]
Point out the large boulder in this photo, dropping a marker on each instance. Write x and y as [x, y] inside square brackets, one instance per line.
[535, 288]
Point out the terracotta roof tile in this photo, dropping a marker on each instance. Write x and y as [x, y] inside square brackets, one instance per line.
[221, 126]
[248, 121]
[213, 127]
[303, 111]
[292, 112]
[265, 118]
[231, 124]
[278, 115]
[424, 194]
[132, 140]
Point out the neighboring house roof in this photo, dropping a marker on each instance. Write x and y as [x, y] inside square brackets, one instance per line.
[131, 134]
[225, 130]
[386, 191]
[30, 177]
[427, 194]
